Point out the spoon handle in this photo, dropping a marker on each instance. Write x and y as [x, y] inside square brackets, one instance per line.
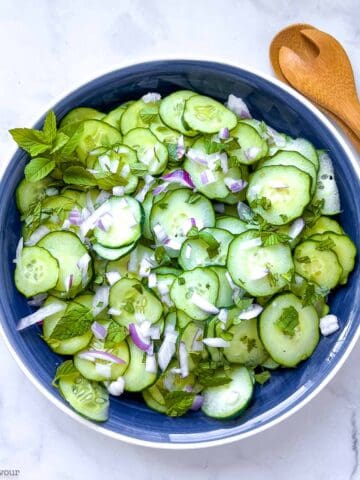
[349, 113]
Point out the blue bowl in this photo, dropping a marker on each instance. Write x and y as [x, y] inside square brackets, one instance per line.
[130, 419]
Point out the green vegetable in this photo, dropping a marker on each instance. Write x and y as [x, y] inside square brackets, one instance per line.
[288, 321]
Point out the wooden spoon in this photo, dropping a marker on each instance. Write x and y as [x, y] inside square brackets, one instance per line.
[293, 39]
[327, 78]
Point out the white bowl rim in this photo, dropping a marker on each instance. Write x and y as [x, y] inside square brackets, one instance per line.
[241, 436]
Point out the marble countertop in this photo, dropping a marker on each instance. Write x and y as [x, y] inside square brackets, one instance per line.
[50, 47]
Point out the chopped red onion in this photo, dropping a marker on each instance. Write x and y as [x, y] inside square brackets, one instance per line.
[219, 207]
[224, 133]
[66, 224]
[69, 282]
[149, 179]
[125, 171]
[40, 314]
[91, 221]
[197, 403]
[102, 197]
[251, 153]
[179, 176]
[148, 156]
[51, 191]
[253, 311]
[151, 97]
[75, 217]
[183, 360]
[216, 342]
[224, 162]
[100, 300]
[137, 338]
[160, 188]
[19, 250]
[180, 147]
[105, 222]
[196, 344]
[150, 364]
[173, 244]
[112, 277]
[296, 228]
[197, 156]
[139, 317]
[152, 280]
[258, 273]
[238, 106]
[99, 331]
[93, 355]
[223, 315]
[37, 235]
[160, 233]
[83, 266]
[167, 348]
[235, 186]
[37, 300]
[275, 138]
[118, 191]
[204, 304]
[207, 177]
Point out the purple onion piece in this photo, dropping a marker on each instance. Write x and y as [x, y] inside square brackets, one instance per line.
[135, 336]
[197, 403]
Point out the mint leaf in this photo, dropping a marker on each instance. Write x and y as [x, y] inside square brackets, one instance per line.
[73, 142]
[108, 180]
[193, 198]
[65, 369]
[75, 322]
[313, 212]
[213, 244]
[32, 217]
[60, 141]
[269, 238]
[50, 127]
[249, 342]
[243, 303]
[261, 202]
[288, 321]
[177, 403]
[325, 245]
[79, 176]
[38, 168]
[172, 152]
[262, 377]
[115, 334]
[310, 295]
[32, 141]
[210, 375]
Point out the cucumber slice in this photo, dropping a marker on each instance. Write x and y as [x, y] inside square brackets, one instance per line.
[203, 282]
[121, 265]
[304, 147]
[216, 354]
[230, 400]
[149, 399]
[207, 115]
[289, 350]
[253, 146]
[319, 266]
[172, 111]
[71, 345]
[225, 295]
[182, 320]
[127, 217]
[284, 189]
[67, 249]
[37, 271]
[29, 192]
[163, 133]
[232, 225]
[90, 399]
[187, 337]
[113, 253]
[327, 190]
[75, 117]
[150, 151]
[138, 115]
[196, 252]
[180, 206]
[136, 377]
[245, 346]
[94, 134]
[259, 270]
[91, 371]
[132, 299]
[147, 205]
[294, 159]
[323, 224]
[113, 118]
[270, 364]
[344, 249]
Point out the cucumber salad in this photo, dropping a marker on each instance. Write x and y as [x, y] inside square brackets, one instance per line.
[178, 248]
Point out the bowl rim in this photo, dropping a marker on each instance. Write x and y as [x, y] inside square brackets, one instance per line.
[287, 413]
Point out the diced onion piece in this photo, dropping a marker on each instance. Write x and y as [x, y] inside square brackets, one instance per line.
[152, 280]
[160, 233]
[93, 355]
[100, 300]
[224, 162]
[197, 403]
[251, 153]
[216, 342]
[224, 133]
[39, 315]
[204, 304]
[257, 273]
[89, 202]
[112, 277]
[37, 235]
[75, 217]
[114, 311]
[235, 186]
[329, 324]
[145, 267]
[160, 188]
[180, 147]
[104, 370]
[125, 171]
[188, 251]
[197, 156]
[133, 261]
[118, 191]
[179, 176]
[151, 97]
[197, 345]
[83, 266]
[19, 250]
[238, 106]
[183, 360]
[102, 197]
[69, 282]
[137, 338]
[37, 300]
[99, 331]
[167, 348]
[116, 388]
[296, 227]
[207, 177]
[253, 311]
[150, 364]
[223, 315]
[91, 221]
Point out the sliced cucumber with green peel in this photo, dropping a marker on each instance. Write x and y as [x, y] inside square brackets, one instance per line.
[206, 115]
[253, 146]
[323, 224]
[225, 295]
[29, 192]
[150, 151]
[230, 400]
[138, 115]
[326, 189]
[279, 193]
[201, 281]
[94, 134]
[113, 253]
[37, 271]
[136, 377]
[260, 270]
[232, 224]
[289, 331]
[172, 111]
[113, 118]
[317, 265]
[304, 147]
[75, 117]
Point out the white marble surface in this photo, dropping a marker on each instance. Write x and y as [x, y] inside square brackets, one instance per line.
[49, 47]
